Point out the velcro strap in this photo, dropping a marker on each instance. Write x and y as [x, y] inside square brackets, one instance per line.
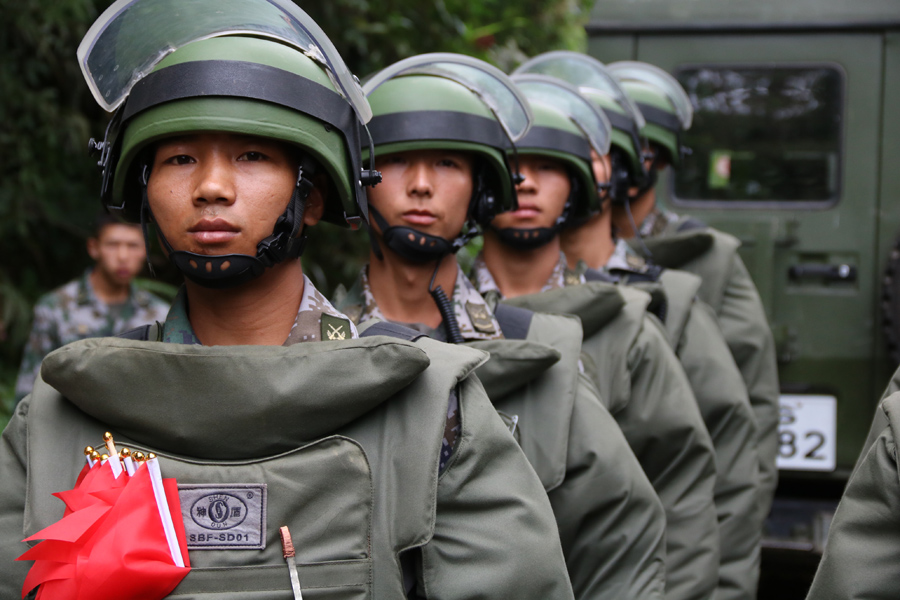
[514, 321]
[392, 330]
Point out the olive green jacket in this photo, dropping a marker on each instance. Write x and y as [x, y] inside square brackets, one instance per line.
[879, 423]
[345, 436]
[611, 523]
[860, 560]
[627, 354]
[722, 397]
[729, 290]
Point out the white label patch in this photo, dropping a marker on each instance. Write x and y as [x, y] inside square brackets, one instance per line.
[224, 516]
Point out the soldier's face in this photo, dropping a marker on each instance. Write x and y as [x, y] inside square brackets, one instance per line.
[221, 193]
[542, 195]
[119, 252]
[427, 190]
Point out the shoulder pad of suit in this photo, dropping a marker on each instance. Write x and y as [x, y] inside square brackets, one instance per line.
[672, 251]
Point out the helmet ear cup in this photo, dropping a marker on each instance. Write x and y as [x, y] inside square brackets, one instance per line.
[619, 178]
[483, 205]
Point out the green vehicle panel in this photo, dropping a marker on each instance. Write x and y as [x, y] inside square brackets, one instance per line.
[796, 151]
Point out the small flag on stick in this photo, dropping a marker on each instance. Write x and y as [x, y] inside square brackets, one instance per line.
[117, 538]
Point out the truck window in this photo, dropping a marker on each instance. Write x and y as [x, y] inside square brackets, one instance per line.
[762, 134]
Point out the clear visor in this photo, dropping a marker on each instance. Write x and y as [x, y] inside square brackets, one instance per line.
[132, 36]
[490, 84]
[565, 98]
[585, 72]
[628, 70]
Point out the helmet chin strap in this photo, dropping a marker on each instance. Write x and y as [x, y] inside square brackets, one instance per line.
[408, 243]
[230, 270]
[527, 238]
[522, 238]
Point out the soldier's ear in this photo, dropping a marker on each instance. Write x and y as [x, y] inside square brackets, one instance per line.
[315, 202]
[93, 248]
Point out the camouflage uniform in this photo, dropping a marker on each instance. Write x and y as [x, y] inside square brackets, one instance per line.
[73, 312]
[317, 320]
[657, 222]
[561, 277]
[476, 320]
[624, 257]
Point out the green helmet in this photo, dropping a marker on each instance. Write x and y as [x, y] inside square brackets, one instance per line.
[327, 145]
[423, 112]
[596, 83]
[260, 68]
[449, 102]
[662, 101]
[566, 134]
[452, 102]
[624, 129]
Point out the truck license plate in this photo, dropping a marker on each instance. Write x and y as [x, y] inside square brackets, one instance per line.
[807, 429]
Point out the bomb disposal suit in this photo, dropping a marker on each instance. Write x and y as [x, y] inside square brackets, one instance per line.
[680, 242]
[611, 523]
[627, 353]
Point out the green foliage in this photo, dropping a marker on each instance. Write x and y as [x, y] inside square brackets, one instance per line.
[49, 184]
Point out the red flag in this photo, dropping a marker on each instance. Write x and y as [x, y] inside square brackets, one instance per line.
[110, 543]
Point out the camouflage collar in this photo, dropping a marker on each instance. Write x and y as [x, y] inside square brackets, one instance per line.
[316, 320]
[476, 319]
[624, 257]
[561, 277]
[87, 297]
[657, 222]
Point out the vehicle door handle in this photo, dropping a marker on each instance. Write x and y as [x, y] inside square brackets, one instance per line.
[828, 272]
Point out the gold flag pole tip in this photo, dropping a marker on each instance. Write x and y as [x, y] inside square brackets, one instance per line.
[88, 456]
[287, 546]
[115, 465]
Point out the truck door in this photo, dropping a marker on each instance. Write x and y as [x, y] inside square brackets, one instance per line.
[786, 157]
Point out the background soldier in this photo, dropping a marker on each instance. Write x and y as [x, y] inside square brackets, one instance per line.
[591, 249]
[629, 356]
[102, 302]
[441, 153]
[727, 286]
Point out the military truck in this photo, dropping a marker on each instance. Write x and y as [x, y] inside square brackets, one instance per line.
[796, 151]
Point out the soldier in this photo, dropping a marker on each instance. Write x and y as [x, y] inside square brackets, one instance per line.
[680, 242]
[102, 302]
[244, 130]
[590, 248]
[441, 152]
[863, 541]
[627, 351]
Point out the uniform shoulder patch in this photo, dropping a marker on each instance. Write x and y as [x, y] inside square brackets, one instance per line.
[335, 328]
[635, 262]
[480, 317]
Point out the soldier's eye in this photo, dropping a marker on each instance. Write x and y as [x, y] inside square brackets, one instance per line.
[252, 156]
[179, 159]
